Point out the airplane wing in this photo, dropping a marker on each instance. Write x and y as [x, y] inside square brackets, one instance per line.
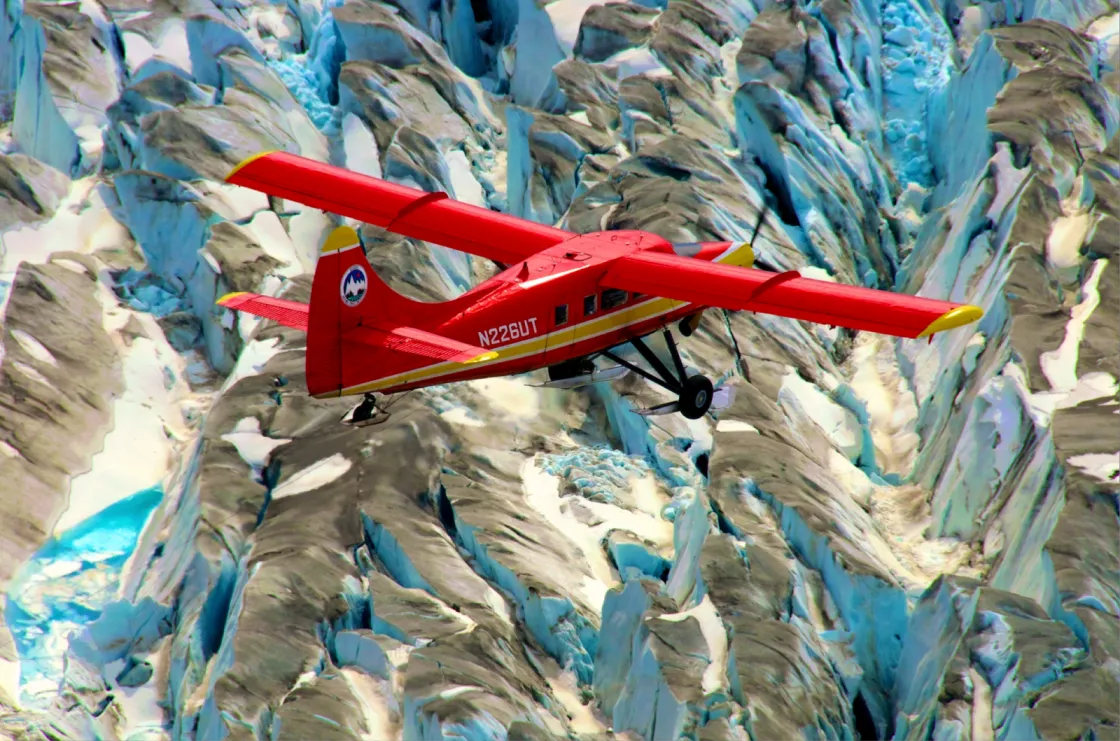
[418, 342]
[432, 217]
[289, 313]
[786, 294]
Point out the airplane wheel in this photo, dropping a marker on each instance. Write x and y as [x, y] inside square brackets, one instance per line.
[696, 398]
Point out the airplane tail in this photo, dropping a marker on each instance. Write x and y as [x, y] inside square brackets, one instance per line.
[345, 293]
[357, 326]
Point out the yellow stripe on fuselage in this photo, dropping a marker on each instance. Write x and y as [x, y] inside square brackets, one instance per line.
[739, 254]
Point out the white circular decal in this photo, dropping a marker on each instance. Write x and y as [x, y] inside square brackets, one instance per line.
[354, 285]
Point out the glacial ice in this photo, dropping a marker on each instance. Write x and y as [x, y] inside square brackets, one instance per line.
[901, 652]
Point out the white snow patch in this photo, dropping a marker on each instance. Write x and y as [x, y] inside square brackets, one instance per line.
[580, 117]
[9, 451]
[891, 405]
[73, 267]
[270, 234]
[139, 706]
[33, 374]
[139, 450]
[837, 423]
[462, 416]
[542, 493]
[360, 147]
[1063, 246]
[463, 182]
[170, 46]
[711, 626]
[734, 425]
[638, 61]
[510, 396]
[253, 447]
[1107, 29]
[565, 688]
[566, 16]
[9, 678]
[252, 360]
[1060, 365]
[81, 223]
[34, 348]
[855, 481]
[812, 271]
[458, 690]
[314, 476]
[1102, 466]
[371, 694]
[495, 602]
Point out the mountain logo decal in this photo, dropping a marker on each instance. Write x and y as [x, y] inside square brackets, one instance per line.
[354, 286]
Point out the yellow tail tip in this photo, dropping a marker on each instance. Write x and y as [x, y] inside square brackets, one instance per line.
[481, 358]
[952, 319]
[339, 239]
[248, 161]
[229, 297]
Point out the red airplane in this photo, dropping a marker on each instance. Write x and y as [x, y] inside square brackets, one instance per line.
[563, 300]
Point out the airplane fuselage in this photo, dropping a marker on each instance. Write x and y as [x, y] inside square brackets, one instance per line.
[538, 313]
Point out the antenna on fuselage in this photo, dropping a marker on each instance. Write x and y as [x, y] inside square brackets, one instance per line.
[758, 224]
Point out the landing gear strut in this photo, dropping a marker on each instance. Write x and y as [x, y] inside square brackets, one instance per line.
[694, 393]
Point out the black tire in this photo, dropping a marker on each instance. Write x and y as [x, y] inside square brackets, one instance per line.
[696, 397]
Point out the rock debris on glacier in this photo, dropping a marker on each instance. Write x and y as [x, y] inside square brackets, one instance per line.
[878, 539]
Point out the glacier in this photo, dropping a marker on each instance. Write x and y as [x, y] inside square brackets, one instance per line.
[876, 539]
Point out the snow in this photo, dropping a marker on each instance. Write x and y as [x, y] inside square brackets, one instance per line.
[313, 477]
[542, 493]
[360, 147]
[82, 223]
[711, 626]
[170, 47]
[370, 692]
[253, 447]
[1102, 466]
[638, 61]
[34, 348]
[33, 374]
[252, 360]
[805, 400]
[138, 451]
[1060, 365]
[464, 185]
[566, 16]
[734, 425]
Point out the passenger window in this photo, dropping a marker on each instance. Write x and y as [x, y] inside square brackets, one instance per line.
[561, 315]
[612, 298]
[588, 305]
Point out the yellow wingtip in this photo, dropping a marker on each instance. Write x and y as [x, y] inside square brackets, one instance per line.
[340, 238]
[481, 358]
[229, 297]
[744, 256]
[952, 319]
[247, 161]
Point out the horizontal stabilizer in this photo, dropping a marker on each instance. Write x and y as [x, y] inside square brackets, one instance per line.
[418, 342]
[289, 313]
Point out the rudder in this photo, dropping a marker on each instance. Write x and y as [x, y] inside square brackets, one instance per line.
[345, 291]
